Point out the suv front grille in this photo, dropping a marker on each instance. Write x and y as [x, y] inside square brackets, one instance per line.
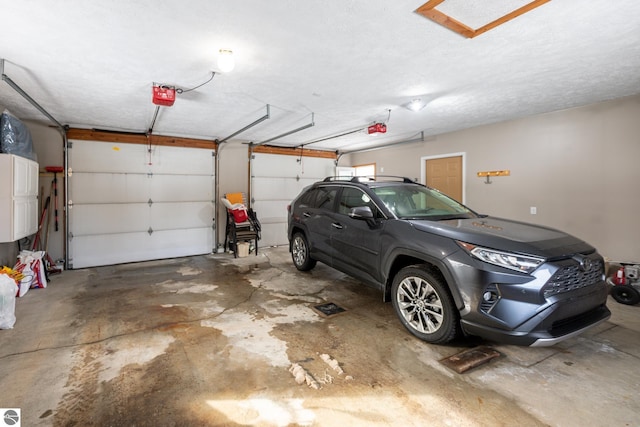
[570, 324]
[569, 278]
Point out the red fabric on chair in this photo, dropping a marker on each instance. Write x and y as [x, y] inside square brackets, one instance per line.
[239, 215]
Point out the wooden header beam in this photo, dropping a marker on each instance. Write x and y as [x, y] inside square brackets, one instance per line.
[304, 152]
[135, 138]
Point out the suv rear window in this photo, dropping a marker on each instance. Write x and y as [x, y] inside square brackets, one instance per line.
[320, 197]
[354, 197]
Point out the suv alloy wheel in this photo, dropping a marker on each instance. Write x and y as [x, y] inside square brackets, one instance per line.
[423, 305]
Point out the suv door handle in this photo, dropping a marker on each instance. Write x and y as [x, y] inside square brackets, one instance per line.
[337, 225]
[306, 214]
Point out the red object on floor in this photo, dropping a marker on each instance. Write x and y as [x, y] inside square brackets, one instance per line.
[620, 278]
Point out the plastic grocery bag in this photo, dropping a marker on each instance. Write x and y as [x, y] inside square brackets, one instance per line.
[30, 264]
[7, 302]
[27, 280]
[15, 137]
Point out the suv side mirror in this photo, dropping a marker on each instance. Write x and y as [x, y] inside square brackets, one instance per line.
[361, 212]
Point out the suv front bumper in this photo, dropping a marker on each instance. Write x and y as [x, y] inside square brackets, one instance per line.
[556, 302]
[548, 327]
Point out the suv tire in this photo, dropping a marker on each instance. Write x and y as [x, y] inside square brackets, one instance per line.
[300, 253]
[424, 306]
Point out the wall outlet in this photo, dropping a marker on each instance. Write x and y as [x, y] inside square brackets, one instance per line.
[533, 210]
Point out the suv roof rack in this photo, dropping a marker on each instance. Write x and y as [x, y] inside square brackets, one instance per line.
[361, 179]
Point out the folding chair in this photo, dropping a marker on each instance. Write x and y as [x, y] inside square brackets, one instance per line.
[242, 223]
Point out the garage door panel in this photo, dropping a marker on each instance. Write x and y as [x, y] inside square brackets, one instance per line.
[176, 160]
[283, 188]
[164, 216]
[181, 188]
[109, 187]
[127, 204]
[271, 211]
[273, 233]
[96, 250]
[109, 218]
[273, 165]
[116, 188]
[109, 157]
[130, 218]
[276, 181]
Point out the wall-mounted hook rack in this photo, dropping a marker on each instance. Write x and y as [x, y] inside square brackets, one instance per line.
[489, 174]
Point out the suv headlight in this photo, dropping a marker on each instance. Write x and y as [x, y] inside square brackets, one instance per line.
[523, 263]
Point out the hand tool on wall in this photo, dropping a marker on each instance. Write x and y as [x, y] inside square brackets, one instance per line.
[55, 170]
[36, 240]
[50, 265]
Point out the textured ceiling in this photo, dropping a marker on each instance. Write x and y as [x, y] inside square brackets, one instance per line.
[341, 65]
[476, 13]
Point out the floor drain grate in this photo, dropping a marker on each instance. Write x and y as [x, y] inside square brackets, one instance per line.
[328, 309]
[469, 359]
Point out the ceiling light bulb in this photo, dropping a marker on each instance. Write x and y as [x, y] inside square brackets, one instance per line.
[226, 62]
[416, 105]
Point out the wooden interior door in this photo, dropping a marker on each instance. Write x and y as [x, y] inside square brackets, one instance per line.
[445, 174]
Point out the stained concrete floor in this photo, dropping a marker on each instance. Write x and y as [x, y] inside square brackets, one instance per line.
[210, 340]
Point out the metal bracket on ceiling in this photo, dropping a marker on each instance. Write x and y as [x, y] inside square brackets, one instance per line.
[290, 132]
[332, 137]
[249, 126]
[26, 96]
[392, 144]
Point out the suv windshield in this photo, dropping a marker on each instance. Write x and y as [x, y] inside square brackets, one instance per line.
[417, 202]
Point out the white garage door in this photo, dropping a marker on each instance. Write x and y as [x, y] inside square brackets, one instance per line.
[276, 180]
[127, 205]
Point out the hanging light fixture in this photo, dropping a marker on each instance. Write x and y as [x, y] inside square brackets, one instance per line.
[416, 105]
[226, 62]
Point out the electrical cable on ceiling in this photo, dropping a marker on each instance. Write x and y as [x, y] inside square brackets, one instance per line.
[179, 90]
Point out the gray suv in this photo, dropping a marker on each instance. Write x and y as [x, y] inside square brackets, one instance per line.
[448, 270]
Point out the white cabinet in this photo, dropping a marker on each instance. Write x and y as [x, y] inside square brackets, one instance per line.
[18, 197]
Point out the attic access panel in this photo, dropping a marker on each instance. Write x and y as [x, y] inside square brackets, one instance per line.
[493, 13]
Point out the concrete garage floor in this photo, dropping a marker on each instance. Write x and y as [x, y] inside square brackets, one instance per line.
[210, 340]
